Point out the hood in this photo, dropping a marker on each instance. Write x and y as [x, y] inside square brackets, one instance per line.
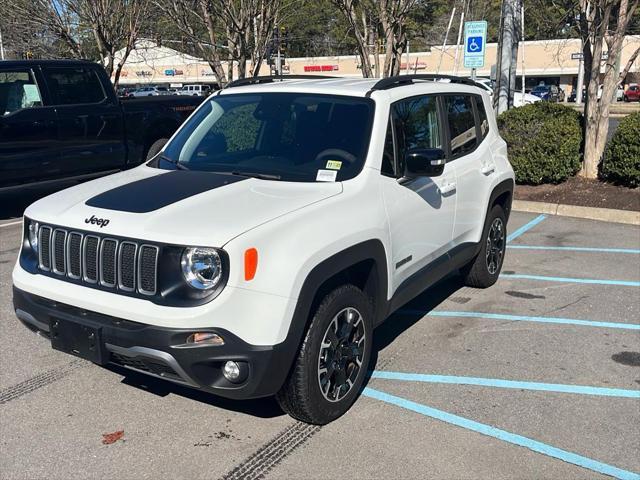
[179, 207]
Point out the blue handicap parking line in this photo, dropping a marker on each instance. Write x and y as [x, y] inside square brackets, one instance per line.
[594, 281]
[525, 227]
[499, 383]
[503, 435]
[522, 318]
[576, 249]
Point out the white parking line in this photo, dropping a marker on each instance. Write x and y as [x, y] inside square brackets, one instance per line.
[11, 223]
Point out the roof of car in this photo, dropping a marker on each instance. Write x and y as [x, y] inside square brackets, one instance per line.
[32, 63]
[358, 87]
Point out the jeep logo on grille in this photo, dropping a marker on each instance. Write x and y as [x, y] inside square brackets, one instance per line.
[101, 222]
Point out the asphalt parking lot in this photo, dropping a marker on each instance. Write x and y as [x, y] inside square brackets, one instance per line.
[537, 377]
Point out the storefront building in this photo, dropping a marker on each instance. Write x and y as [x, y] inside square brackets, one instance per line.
[551, 62]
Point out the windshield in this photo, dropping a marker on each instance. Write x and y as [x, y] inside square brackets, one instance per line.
[285, 136]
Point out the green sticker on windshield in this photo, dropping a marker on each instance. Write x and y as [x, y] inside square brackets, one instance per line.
[334, 164]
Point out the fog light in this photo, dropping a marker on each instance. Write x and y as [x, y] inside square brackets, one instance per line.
[205, 338]
[231, 371]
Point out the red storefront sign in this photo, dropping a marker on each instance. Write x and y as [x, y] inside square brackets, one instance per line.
[320, 68]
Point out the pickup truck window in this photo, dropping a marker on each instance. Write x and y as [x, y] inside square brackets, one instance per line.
[74, 85]
[18, 90]
[283, 136]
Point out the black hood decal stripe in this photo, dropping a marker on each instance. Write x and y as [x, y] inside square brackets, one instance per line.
[159, 191]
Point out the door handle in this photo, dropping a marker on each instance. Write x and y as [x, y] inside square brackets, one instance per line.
[448, 188]
[488, 169]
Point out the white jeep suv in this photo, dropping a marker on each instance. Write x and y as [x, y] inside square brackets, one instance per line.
[284, 221]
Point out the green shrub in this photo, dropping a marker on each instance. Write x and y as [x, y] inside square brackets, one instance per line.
[621, 163]
[543, 140]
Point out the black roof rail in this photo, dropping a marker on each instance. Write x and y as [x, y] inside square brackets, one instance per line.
[241, 82]
[401, 80]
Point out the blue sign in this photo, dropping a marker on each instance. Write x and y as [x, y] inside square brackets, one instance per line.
[474, 44]
[475, 39]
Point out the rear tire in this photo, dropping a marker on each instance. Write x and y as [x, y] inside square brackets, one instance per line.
[332, 363]
[484, 270]
[155, 147]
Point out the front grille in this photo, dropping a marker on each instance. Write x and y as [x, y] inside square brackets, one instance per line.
[120, 265]
[45, 248]
[58, 261]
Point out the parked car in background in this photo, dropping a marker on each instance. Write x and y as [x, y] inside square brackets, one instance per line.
[150, 92]
[518, 99]
[195, 90]
[548, 93]
[632, 94]
[619, 94]
[125, 92]
[61, 119]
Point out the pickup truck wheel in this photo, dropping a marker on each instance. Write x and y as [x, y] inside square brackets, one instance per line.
[484, 270]
[155, 147]
[331, 365]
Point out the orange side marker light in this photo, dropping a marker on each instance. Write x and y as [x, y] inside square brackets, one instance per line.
[250, 263]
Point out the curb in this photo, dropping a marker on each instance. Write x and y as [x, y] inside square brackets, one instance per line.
[592, 213]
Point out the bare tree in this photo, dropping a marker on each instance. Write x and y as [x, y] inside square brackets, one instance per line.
[360, 16]
[393, 17]
[52, 16]
[630, 62]
[600, 22]
[372, 19]
[113, 25]
[249, 25]
[196, 20]
[245, 26]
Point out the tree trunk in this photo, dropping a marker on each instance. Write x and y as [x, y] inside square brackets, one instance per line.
[597, 112]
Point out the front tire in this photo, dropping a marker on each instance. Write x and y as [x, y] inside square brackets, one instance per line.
[484, 270]
[332, 363]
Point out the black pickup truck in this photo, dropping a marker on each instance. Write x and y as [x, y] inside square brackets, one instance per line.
[61, 120]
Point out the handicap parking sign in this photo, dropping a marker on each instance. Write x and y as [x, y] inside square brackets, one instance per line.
[475, 37]
[474, 44]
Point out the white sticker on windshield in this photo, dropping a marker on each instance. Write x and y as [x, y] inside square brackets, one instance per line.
[326, 176]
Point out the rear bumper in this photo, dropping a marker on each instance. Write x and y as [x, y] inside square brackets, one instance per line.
[161, 351]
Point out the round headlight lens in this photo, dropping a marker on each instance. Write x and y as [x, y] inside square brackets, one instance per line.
[33, 236]
[201, 267]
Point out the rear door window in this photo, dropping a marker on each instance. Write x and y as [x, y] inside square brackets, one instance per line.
[74, 85]
[18, 90]
[462, 124]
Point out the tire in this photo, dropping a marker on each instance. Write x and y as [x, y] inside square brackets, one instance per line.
[484, 270]
[625, 98]
[155, 147]
[302, 396]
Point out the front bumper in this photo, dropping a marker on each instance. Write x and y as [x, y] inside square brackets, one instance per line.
[161, 351]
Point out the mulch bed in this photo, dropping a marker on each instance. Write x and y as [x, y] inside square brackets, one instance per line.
[583, 192]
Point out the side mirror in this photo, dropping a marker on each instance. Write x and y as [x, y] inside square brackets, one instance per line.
[424, 162]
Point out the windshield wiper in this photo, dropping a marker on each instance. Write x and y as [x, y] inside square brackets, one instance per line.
[261, 176]
[173, 162]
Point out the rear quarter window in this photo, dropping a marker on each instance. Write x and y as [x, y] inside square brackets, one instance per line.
[74, 85]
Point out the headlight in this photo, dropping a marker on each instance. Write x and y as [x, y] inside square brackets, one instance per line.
[33, 235]
[201, 267]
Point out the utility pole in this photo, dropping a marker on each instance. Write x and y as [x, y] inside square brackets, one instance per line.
[507, 54]
[408, 69]
[522, 38]
[446, 36]
[455, 60]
